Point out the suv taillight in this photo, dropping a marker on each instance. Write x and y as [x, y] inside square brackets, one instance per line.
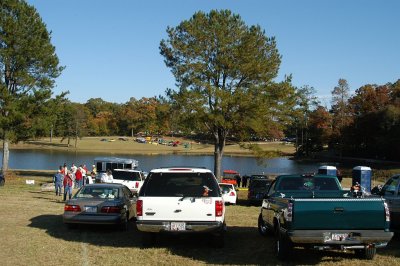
[139, 208]
[72, 208]
[219, 208]
[387, 212]
[232, 193]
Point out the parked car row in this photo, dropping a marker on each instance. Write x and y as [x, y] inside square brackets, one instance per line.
[169, 200]
[311, 211]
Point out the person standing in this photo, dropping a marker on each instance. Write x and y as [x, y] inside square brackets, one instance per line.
[68, 185]
[84, 173]
[58, 181]
[79, 178]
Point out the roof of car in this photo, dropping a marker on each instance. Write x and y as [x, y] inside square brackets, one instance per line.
[180, 169]
[112, 185]
[225, 184]
[127, 170]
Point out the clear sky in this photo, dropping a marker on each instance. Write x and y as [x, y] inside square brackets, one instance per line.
[111, 47]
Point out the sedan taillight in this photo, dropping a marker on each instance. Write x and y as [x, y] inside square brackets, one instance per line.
[219, 208]
[72, 208]
[111, 209]
[139, 208]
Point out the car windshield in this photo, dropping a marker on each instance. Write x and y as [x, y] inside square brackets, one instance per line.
[126, 175]
[98, 193]
[180, 185]
[259, 183]
[308, 183]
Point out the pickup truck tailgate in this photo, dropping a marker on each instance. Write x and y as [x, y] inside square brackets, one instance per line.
[179, 209]
[338, 214]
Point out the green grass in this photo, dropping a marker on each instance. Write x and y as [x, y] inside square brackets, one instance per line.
[32, 233]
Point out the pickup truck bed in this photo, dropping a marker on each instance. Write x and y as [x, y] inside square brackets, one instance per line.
[323, 219]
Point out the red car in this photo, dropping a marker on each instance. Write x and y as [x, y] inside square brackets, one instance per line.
[229, 176]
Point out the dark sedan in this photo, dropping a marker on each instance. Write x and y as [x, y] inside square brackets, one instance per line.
[391, 193]
[101, 204]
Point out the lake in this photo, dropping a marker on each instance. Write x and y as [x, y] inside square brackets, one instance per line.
[48, 160]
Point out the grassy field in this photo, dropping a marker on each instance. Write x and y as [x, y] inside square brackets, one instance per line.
[32, 233]
[114, 145]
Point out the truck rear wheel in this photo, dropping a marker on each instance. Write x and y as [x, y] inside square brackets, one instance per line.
[283, 247]
[369, 253]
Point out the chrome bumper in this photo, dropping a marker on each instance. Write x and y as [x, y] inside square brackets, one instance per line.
[379, 238]
[191, 227]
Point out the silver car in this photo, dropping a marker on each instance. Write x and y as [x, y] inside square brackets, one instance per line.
[101, 204]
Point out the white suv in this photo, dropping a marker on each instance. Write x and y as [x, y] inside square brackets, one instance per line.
[133, 179]
[181, 200]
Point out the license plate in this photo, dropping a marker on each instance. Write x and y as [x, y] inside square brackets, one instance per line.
[178, 226]
[339, 236]
[90, 209]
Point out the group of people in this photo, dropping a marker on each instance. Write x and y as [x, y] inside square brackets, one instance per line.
[242, 180]
[72, 177]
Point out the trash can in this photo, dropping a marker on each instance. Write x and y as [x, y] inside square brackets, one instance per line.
[327, 170]
[362, 175]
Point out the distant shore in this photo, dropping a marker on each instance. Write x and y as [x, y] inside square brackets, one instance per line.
[128, 145]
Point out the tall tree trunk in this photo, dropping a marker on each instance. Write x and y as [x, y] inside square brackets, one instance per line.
[219, 145]
[6, 153]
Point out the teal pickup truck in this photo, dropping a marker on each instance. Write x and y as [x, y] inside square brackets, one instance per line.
[314, 211]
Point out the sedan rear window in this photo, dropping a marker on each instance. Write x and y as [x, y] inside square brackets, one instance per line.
[98, 193]
[180, 185]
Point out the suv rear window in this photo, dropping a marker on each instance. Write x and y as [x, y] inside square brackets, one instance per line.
[125, 175]
[180, 185]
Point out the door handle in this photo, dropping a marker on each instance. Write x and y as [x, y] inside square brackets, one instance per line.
[150, 213]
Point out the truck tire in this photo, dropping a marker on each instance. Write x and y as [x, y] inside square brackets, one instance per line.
[263, 229]
[283, 247]
[369, 253]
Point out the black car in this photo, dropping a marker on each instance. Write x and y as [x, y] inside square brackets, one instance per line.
[391, 193]
[258, 188]
[2, 180]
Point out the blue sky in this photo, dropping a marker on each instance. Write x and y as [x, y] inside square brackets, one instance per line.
[111, 48]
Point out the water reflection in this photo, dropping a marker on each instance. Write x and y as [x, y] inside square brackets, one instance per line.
[50, 159]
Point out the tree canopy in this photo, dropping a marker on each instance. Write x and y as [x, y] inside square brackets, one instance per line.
[28, 68]
[224, 70]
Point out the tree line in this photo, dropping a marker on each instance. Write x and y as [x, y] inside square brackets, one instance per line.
[225, 73]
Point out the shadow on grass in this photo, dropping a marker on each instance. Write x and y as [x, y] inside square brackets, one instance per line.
[99, 235]
[243, 245]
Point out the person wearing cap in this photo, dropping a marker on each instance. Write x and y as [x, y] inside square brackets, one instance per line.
[58, 181]
[68, 185]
